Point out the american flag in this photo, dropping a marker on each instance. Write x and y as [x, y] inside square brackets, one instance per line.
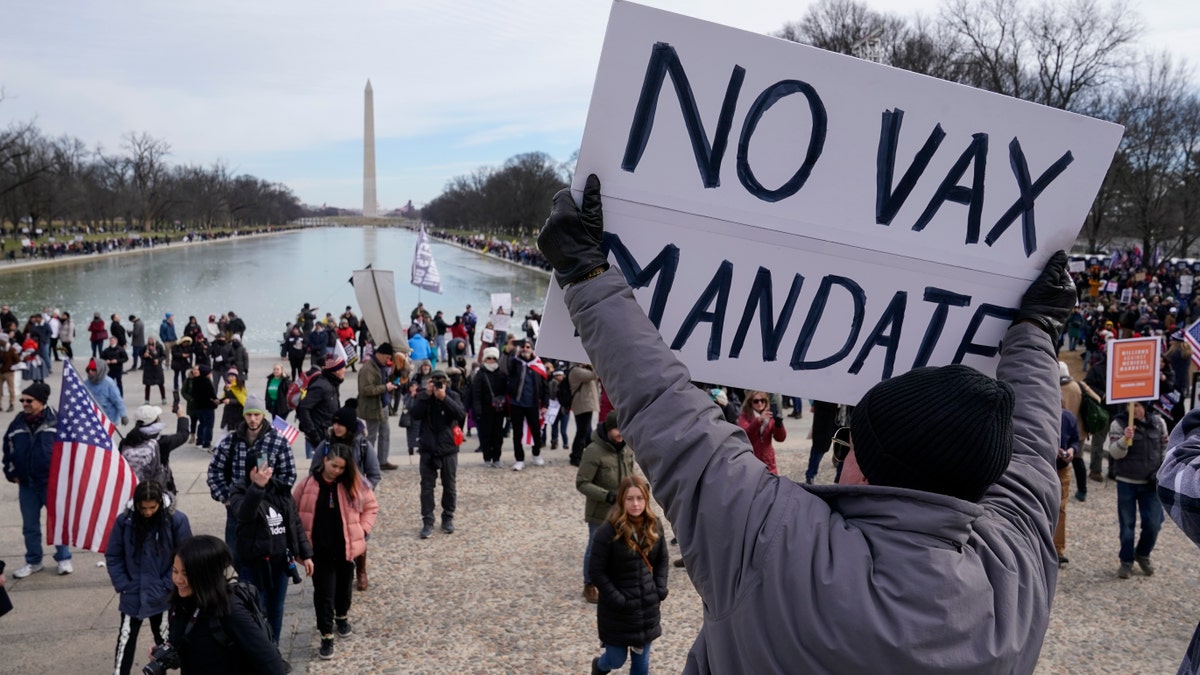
[289, 432]
[90, 481]
[1191, 335]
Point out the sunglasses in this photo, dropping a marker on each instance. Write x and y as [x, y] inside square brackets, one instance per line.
[841, 444]
[758, 400]
[26, 400]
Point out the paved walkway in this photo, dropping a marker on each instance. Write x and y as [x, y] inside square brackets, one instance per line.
[502, 594]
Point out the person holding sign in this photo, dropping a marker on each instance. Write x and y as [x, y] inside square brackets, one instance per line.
[1137, 450]
[946, 537]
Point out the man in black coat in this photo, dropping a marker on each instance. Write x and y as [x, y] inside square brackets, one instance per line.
[320, 402]
[439, 410]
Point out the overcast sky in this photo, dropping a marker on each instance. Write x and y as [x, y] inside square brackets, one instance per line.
[275, 89]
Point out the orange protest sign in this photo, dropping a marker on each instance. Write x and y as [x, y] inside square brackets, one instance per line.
[1133, 367]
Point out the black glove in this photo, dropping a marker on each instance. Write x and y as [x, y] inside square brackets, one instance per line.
[611, 497]
[1050, 298]
[571, 238]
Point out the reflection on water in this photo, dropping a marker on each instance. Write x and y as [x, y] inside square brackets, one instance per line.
[265, 280]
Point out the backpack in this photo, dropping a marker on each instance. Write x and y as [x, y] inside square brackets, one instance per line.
[1092, 415]
[247, 595]
[297, 390]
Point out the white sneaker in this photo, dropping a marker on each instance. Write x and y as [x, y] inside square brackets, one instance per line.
[518, 466]
[27, 570]
[538, 461]
[65, 567]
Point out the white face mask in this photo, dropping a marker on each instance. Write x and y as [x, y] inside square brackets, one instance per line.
[491, 365]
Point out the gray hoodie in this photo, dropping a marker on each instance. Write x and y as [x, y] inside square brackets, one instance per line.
[859, 579]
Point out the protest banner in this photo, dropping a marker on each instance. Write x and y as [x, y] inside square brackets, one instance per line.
[1077, 266]
[801, 221]
[1133, 370]
[1126, 296]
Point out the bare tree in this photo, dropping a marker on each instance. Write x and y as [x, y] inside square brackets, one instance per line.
[146, 157]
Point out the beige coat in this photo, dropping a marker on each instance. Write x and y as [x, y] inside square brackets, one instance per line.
[585, 390]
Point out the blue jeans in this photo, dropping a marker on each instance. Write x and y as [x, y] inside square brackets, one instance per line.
[587, 552]
[1143, 498]
[271, 592]
[32, 500]
[614, 657]
[560, 425]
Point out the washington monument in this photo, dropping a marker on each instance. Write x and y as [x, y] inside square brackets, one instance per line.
[370, 204]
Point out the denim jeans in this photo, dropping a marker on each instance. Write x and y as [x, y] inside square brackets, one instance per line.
[587, 552]
[204, 427]
[614, 657]
[560, 426]
[272, 591]
[1134, 499]
[32, 500]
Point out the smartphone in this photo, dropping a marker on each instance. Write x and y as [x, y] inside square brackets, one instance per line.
[262, 463]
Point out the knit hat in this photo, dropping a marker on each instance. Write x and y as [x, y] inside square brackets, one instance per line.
[147, 414]
[333, 363]
[491, 353]
[232, 371]
[347, 415]
[946, 430]
[610, 420]
[91, 364]
[38, 390]
[386, 349]
[254, 404]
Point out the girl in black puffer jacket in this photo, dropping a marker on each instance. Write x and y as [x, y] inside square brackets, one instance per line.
[629, 566]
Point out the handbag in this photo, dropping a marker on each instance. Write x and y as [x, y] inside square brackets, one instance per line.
[405, 418]
[458, 435]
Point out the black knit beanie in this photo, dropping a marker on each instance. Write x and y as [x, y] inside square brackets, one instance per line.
[946, 430]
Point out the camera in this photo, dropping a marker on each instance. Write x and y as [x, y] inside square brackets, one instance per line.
[293, 571]
[162, 658]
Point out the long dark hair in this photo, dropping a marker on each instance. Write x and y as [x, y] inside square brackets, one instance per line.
[349, 478]
[147, 491]
[206, 561]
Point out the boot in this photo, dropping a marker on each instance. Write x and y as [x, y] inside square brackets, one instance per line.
[596, 667]
[360, 571]
[174, 401]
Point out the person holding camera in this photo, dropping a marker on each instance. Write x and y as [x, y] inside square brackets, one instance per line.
[216, 625]
[271, 543]
[439, 410]
[140, 549]
[337, 509]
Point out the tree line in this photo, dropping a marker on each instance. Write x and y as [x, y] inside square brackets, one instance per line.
[511, 200]
[1076, 55]
[60, 185]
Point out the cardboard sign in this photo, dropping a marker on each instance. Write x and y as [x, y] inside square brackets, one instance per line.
[1126, 296]
[1111, 287]
[1133, 367]
[501, 311]
[1185, 284]
[801, 221]
[1077, 265]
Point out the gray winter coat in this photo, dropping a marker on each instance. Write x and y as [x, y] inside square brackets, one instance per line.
[847, 579]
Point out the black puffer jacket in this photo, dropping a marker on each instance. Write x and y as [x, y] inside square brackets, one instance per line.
[437, 422]
[630, 592]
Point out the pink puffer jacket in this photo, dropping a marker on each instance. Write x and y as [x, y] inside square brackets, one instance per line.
[357, 517]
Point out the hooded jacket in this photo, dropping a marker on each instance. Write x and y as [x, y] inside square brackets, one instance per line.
[601, 470]
[630, 592]
[438, 419]
[837, 578]
[105, 392]
[364, 455]
[314, 415]
[149, 452]
[27, 451]
[142, 574]
[268, 524]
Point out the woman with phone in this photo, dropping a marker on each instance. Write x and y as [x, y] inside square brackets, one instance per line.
[762, 425]
[271, 543]
[337, 509]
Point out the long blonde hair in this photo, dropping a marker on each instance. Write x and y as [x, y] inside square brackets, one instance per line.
[639, 534]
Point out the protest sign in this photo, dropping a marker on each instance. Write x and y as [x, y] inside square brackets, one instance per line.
[501, 311]
[1126, 296]
[806, 222]
[1110, 287]
[1077, 266]
[1185, 285]
[1133, 370]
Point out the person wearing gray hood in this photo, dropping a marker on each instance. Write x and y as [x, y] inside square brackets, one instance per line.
[933, 555]
[104, 391]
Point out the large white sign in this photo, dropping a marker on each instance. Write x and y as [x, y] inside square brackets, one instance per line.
[805, 222]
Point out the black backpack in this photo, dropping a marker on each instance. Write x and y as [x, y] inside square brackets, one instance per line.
[246, 594]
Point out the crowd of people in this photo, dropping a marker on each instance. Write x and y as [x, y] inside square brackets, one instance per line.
[31, 249]
[451, 378]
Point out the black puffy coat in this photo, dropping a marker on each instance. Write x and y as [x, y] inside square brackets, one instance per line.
[207, 647]
[630, 592]
[438, 419]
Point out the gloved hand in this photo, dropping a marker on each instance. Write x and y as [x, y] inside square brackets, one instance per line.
[571, 238]
[1050, 298]
[124, 420]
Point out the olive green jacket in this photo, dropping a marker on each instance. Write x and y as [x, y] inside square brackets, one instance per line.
[601, 470]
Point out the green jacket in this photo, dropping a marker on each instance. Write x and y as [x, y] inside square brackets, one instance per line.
[600, 473]
[371, 388]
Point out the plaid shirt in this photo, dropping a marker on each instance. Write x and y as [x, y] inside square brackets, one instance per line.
[1179, 490]
[234, 448]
